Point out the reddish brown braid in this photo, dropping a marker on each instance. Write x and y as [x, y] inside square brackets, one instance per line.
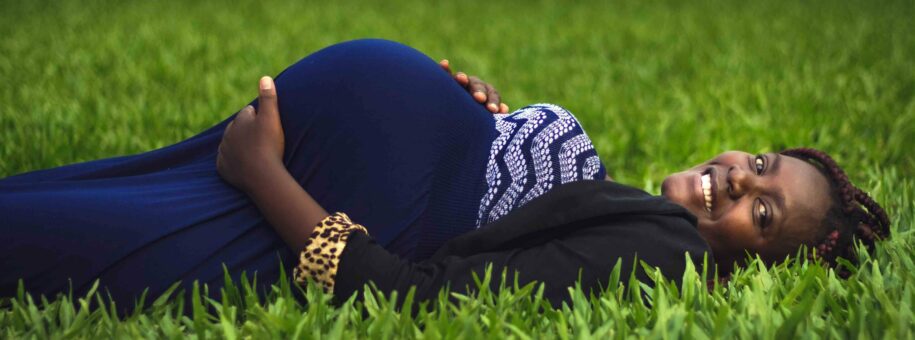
[853, 214]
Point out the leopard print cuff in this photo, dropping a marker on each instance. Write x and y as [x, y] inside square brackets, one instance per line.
[321, 255]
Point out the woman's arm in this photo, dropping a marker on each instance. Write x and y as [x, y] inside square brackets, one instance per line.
[251, 158]
[343, 259]
[291, 211]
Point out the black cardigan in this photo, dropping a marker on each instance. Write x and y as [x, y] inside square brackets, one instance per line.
[587, 225]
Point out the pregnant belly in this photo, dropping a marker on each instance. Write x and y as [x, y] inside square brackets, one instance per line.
[377, 130]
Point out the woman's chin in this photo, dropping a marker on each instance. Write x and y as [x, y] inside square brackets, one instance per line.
[678, 189]
[672, 189]
[664, 187]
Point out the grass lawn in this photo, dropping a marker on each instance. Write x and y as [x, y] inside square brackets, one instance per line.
[659, 86]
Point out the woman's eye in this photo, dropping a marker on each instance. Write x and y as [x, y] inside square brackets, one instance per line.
[763, 214]
[760, 165]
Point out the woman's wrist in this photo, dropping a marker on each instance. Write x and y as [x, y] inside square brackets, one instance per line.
[268, 178]
[289, 209]
[261, 178]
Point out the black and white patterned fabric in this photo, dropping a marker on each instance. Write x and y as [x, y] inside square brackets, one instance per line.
[539, 146]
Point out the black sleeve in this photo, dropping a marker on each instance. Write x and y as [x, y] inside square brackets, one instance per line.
[591, 252]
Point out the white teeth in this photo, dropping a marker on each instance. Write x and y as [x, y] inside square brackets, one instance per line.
[707, 191]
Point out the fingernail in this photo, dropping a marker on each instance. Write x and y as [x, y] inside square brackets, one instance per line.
[504, 107]
[479, 96]
[266, 83]
[492, 107]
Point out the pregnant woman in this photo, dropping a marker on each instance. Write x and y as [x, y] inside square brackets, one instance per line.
[366, 162]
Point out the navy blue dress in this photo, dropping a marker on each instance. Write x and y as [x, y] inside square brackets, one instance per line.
[373, 128]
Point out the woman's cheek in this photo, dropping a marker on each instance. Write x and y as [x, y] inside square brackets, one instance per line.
[742, 233]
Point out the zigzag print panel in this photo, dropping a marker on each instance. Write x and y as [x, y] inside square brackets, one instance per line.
[539, 146]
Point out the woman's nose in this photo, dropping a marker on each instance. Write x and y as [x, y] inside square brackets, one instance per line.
[739, 182]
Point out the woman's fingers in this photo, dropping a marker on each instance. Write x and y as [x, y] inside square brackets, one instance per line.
[270, 129]
[462, 79]
[267, 103]
[478, 89]
[223, 140]
[246, 114]
[482, 92]
[243, 117]
[228, 126]
[446, 65]
[492, 99]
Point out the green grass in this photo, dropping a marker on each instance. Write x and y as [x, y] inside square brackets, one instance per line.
[659, 86]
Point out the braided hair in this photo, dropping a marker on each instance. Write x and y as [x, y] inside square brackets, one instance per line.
[853, 214]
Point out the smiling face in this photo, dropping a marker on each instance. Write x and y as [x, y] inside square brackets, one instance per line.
[766, 204]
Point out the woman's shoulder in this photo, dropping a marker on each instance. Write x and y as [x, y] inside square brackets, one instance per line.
[573, 206]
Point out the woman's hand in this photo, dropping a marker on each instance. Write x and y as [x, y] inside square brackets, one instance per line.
[481, 91]
[252, 144]
[251, 158]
